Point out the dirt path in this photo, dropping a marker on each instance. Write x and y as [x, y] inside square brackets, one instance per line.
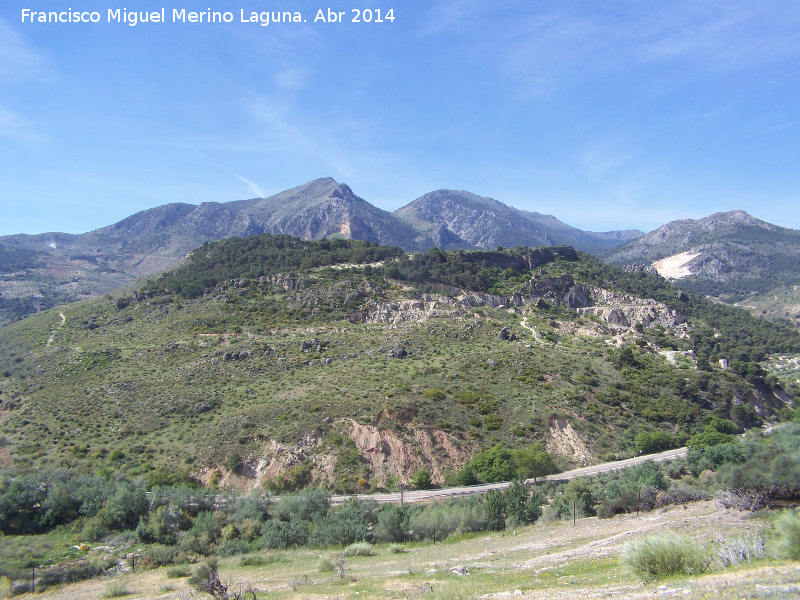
[52, 337]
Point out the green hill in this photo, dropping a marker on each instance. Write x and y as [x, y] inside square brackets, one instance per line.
[274, 361]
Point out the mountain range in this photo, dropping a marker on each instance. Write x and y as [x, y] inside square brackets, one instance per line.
[731, 256]
[42, 270]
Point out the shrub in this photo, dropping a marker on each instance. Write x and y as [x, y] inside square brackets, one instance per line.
[283, 534]
[115, 589]
[392, 523]
[344, 526]
[178, 572]
[788, 529]
[681, 494]
[656, 557]
[206, 580]
[206, 529]
[260, 561]
[494, 464]
[326, 565]
[159, 556]
[359, 549]
[397, 548]
[422, 480]
[233, 547]
[742, 548]
[68, 572]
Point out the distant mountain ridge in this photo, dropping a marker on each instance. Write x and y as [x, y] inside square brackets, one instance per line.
[730, 255]
[460, 219]
[63, 267]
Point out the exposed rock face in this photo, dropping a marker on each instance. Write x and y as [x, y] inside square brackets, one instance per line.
[624, 310]
[391, 455]
[397, 352]
[619, 311]
[564, 441]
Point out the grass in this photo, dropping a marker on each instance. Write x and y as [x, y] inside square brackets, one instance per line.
[115, 589]
[178, 572]
[665, 555]
[572, 563]
[260, 561]
[787, 528]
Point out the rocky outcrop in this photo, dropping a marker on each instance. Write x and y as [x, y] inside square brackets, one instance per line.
[563, 440]
[401, 455]
[624, 311]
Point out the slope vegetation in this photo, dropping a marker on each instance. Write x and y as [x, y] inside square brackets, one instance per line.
[287, 363]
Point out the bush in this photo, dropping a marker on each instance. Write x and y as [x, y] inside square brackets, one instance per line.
[397, 548]
[681, 494]
[260, 561]
[788, 529]
[736, 550]
[340, 527]
[178, 572]
[115, 589]
[284, 534]
[234, 547]
[326, 565]
[392, 523]
[422, 480]
[656, 557]
[359, 549]
[69, 572]
[159, 556]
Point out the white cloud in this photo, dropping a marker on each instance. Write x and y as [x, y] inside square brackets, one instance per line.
[253, 187]
[549, 47]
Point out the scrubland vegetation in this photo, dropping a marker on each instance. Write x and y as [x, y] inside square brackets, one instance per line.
[129, 423]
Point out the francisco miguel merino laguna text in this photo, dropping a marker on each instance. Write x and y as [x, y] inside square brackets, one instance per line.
[181, 15]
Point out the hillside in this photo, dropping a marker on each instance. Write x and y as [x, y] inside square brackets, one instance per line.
[298, 366]
[732, 256]
[40, 271]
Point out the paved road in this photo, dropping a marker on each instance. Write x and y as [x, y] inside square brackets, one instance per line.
[423, 495]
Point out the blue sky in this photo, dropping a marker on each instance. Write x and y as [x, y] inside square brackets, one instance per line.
[608, 115]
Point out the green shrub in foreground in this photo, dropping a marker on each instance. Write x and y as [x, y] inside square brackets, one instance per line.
[359, 549]
[656, 557]
[788, 528]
